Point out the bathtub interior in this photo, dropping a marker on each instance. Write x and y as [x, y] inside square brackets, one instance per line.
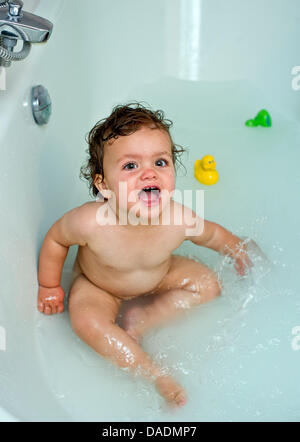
[234, 355]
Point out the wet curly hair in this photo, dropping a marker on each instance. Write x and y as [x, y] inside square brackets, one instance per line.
[124, 120]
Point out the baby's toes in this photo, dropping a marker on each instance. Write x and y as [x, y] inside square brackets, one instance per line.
[172, 391]
[177, 397]
[180, 398]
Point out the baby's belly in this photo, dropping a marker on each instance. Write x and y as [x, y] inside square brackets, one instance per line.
[129, 284]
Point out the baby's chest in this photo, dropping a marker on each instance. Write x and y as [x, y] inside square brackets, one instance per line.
[134, 252]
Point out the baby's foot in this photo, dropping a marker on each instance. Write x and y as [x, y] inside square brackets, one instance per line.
[133, 322]
[171, 391]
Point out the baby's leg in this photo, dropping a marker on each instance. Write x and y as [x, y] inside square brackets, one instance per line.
[93, 312]
[187, 284]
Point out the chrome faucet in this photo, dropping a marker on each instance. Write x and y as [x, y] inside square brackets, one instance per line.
[16, 24]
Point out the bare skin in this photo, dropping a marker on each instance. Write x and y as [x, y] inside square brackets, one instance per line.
[120, 262]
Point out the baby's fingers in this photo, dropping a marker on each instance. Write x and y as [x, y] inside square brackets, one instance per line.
[40, 307]
[48, 309]
[44, 308]
[240, 268]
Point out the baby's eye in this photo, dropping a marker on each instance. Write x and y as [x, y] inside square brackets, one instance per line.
[161, 162]
[129, 166]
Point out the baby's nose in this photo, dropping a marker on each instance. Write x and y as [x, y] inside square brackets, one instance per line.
[148, 173]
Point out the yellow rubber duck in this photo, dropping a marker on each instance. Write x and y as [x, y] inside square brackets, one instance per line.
[205, 170]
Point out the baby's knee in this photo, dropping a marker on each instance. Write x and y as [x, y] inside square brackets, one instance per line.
[206, 288]
[88, 325]
[213, 288]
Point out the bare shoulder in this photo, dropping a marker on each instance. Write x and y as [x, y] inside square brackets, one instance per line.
[87, 210]
[191, 223]
[77, 225]
[84, 214]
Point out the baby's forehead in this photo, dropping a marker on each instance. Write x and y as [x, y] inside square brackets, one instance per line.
[143, 139]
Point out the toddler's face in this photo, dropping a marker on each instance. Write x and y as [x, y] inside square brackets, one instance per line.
[137, 162]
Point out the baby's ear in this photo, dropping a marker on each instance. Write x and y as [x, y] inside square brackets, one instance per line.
[99, 182]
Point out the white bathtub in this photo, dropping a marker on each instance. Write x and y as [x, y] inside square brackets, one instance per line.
[210, 65]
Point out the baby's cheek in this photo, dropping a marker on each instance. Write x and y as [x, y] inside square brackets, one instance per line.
[122, 189]
[171, 178]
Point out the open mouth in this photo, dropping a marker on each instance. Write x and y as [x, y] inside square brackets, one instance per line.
[150, 195]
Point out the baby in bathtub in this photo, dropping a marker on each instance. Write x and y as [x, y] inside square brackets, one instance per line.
[126, 242]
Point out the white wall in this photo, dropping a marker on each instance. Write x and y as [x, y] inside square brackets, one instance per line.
[238, 40]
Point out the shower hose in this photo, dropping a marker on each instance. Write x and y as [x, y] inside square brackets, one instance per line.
[9, 55]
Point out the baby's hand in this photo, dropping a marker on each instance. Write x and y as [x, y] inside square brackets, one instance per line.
[242, 263]
[51, 300]
[242, 260]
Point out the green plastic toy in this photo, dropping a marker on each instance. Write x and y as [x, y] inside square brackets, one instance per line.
[263, 118]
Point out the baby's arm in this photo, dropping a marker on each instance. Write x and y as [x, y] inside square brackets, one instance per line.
[221, 240]
[70, 229]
